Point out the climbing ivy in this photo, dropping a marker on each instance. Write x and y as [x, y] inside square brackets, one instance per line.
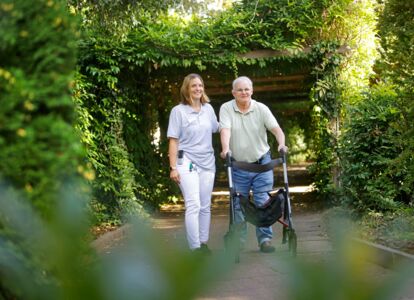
[325, 95]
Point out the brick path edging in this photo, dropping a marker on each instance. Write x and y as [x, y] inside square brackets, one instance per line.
[385, 256]
[108, 239]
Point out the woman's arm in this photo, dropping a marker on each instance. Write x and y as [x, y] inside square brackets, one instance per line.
[225, 134]
[172, 156]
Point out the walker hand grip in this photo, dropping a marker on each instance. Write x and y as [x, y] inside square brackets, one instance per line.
[283, 155]
[228, 159]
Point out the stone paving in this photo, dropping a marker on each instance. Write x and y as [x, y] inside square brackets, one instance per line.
[263, 275]
[259, 275]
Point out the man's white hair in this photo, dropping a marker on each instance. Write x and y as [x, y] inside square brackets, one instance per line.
[240, 79]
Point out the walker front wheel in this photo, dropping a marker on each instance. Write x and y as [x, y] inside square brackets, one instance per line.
[293, 242]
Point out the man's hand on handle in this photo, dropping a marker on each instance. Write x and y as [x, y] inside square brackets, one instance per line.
[282, 149]
[223, 154]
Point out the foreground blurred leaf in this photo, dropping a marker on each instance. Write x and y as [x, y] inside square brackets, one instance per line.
[54, 260]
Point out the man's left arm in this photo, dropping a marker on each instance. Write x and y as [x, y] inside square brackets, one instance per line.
[280, 137]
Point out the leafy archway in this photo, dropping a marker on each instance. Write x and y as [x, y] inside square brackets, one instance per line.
[129, 82]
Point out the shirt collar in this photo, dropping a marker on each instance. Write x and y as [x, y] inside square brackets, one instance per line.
[189, 110]
[251, 107]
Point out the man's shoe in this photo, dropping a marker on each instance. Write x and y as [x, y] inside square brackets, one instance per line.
[204, 249]
[266, 247]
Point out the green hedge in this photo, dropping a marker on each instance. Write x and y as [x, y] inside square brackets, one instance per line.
[368, 148]
[397, 33]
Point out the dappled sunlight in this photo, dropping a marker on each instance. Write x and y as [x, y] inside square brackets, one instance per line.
[201, 8]
[292, 189]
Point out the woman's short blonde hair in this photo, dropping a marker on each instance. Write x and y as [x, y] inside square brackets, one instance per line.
[185, 90]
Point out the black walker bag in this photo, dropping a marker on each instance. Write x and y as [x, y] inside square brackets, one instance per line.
[266, 215]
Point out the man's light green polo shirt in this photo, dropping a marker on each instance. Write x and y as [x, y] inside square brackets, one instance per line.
[248, 140]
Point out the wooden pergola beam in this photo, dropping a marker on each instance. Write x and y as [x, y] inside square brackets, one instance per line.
[296, 82]
[268, 53]
[259, 80]
[261, 88]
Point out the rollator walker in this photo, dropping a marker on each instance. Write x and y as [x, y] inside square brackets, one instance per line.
[276, 209]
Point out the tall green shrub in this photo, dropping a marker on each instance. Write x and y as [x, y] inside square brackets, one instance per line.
[38, 144]
[367, 150]
[343, 53]
[397, 64]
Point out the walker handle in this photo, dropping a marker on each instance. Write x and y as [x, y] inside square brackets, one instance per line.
[283, 155]
[228, 159]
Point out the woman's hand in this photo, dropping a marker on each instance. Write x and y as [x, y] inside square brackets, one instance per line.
[175, 176]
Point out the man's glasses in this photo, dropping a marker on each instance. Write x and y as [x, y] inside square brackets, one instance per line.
[243, 90]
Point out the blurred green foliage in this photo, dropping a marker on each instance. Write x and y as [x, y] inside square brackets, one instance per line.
[38, 144]
[55, 260]
[351, 271]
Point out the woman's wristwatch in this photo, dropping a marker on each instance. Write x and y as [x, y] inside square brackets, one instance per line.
[173, 168]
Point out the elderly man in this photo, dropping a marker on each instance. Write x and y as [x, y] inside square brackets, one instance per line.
[243, 126]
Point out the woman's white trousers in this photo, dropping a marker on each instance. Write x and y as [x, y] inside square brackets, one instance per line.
[196, 186]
